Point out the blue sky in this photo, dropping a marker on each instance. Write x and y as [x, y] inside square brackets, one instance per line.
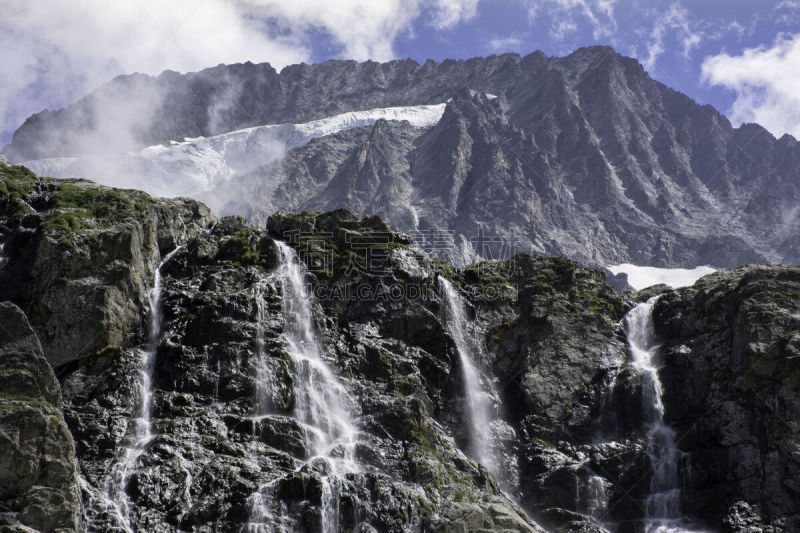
[691, 32]
[742, 56]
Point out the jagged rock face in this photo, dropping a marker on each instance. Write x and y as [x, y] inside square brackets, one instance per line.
[584, 156]
[569, 403]
[227, 98]
[210, 456]
[39, 487]
[732, 379]
[78, 257]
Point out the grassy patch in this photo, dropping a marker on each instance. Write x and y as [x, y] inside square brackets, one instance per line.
[330, 260]
[545, 276]
[598, 305]
[16, 182]
[107, 354]
[240, 247]
[490, 281]
[445, 270]
[426, 508]
[77, 206]
[8, 401]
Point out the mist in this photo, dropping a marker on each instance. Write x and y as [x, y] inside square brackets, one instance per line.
[53, 53]
[209, 168]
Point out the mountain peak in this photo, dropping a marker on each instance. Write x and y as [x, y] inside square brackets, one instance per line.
[583, 155]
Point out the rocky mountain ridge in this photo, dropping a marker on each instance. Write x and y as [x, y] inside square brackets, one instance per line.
[569, 403]
[584, 156]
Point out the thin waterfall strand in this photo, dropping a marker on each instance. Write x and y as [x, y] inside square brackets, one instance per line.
[266, 511]
[121, 471]
[662, 505]
[479, 403]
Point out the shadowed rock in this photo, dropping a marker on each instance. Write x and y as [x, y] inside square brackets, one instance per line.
[39, 487]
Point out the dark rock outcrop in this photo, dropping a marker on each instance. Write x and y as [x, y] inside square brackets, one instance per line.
[732, 383]
[570, 424]
[39, 486]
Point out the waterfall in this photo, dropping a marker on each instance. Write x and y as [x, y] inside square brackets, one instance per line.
[479, 403]
[321, 404]
[662, 505]
[121, 471]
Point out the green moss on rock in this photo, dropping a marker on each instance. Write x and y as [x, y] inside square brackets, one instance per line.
[16, 182]
[339, 244]
[80, 205]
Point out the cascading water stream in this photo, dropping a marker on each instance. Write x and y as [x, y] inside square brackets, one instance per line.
[120, 472]
[662, 505]
[479, 402]
[321, 405]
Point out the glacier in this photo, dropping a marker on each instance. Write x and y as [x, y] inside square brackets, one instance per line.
[202, 166]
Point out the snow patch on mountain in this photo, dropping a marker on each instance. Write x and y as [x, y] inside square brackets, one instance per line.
[473, 92]
[200, 165]
[641, 277]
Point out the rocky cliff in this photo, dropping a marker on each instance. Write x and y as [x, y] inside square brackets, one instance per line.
[732, 370]
[77, 257]
[205, 427]
[584, 156]
[39, 487]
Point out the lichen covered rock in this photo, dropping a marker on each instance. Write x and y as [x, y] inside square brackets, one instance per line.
[39, 487]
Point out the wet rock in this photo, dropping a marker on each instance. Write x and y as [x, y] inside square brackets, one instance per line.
[732, 382]
[568, 406]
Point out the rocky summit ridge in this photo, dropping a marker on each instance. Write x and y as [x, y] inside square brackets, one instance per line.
[228, 448]
[584, 156]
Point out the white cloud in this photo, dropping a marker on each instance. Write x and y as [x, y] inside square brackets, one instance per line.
[787, 12]
[533, 11]
[564, 15]
[52, 52]
[674, 21]
[448, 13]
[560, 29]
[765, 81]
[504, 44]
[365, 28]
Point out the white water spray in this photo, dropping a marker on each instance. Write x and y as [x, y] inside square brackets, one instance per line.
[662, 505]
[121, 471]
[322, 405]
[479, 402]
[321, 402]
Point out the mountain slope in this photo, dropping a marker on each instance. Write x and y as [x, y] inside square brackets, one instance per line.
[584, 156]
